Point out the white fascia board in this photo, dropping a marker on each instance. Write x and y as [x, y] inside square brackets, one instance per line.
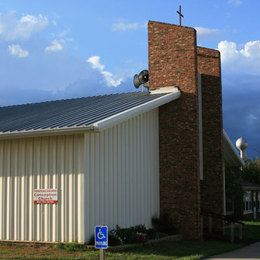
[232, 150]
[120, 117]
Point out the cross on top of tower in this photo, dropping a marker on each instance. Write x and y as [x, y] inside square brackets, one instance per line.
[180, 14]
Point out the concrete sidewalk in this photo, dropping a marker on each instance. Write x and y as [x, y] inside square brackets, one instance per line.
[247, 253]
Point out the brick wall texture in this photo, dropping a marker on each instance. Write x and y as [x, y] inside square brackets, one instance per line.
[212, 184]
[175, 60]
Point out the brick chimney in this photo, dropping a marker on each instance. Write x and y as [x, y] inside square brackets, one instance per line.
[191, 161]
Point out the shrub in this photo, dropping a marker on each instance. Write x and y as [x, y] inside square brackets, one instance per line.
[113, 240]
[164, 224]
[136, 234]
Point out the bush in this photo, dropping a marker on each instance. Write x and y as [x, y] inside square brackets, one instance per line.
[113, 240]
[130, 235]
[164, 224]
[136, 234]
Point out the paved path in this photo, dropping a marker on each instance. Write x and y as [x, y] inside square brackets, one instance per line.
[246, 253]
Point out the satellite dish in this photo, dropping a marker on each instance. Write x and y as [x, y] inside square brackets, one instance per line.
[141, 78]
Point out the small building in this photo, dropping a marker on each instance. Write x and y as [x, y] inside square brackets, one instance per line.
[120, 159]
[251, 196]
[251, 201]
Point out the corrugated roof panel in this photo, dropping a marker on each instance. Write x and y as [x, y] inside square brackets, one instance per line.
[68, 113]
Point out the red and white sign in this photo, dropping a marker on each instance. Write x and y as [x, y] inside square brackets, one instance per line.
[45, 196]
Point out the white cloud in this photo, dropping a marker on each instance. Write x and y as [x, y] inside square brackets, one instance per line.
[252, 117]
[110, 79]
[16, 50]
[203, 31]
[235, 2]
[13, 28]
[55, 46]
[245, 59]
[122, 26]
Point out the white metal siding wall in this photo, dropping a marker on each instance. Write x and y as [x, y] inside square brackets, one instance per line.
[122, 173]
[47, 162]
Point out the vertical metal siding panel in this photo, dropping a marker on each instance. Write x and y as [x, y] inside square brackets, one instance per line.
[44, 170]
[126, 178]
[15, 176]
[128, 175]
[75, 207]
[100, 159]
[70, 187]
[149, 172]
[53, 172]
[37, 184]
[96, 174]
[123, 147]
[61, 157]
[29, 176]
[66, 189]
[115, 174]
[92, 182]
[80, 191]
[9, 192]
[26, 164]
[119, 176]
[1, 189]
[22, 193]
[4, 198]
[49, 184]
[106, 177]
[156, 165]
[133, 185]
[139, 172]
[87, 185]
[109, 176]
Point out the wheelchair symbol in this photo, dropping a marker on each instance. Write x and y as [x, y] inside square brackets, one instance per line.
[100, 235]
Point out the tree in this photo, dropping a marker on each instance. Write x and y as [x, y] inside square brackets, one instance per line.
[234, 190]
[251, 171]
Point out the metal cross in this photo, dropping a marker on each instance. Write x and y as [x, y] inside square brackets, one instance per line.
[180, 14]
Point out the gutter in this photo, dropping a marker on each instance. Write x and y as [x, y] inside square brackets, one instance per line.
[100, 125]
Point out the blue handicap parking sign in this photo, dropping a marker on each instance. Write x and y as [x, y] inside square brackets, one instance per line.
[101, 237]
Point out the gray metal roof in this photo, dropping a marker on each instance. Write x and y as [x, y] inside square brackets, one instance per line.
[68, 113]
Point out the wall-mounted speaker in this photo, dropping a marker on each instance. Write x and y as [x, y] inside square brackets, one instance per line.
[141, 78]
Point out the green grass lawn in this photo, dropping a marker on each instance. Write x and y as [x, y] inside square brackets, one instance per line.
[252, 231]
[183, 250]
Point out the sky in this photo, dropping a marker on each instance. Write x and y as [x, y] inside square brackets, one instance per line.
[63, 49]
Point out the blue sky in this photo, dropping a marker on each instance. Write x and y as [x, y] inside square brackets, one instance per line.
[61, 49]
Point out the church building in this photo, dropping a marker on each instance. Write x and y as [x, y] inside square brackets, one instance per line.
[121, 159]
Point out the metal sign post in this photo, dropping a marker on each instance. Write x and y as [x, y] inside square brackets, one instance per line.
[102, 255]
[101, 240]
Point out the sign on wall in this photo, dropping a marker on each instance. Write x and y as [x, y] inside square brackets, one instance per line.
[45, 196]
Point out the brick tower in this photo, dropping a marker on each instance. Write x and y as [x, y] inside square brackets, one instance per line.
[186, 126]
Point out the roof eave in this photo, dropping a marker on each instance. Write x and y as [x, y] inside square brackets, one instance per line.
[120, 117]
[47, 132]
[231, 151]
[99, 125]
